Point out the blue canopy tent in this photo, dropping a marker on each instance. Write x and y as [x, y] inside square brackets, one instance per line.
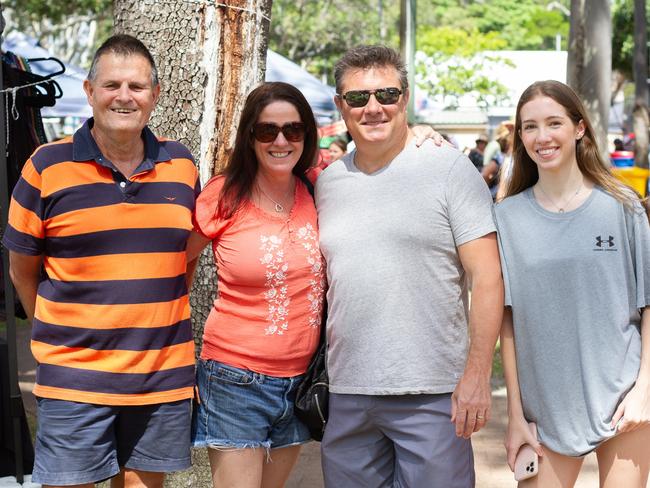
[319, 95]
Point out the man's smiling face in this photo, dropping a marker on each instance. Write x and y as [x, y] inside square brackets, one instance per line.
[122, 95]
[373, 123]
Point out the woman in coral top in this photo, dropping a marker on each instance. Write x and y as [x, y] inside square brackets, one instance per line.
[264, 326]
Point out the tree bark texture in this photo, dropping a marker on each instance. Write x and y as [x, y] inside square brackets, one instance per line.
[589, 68]
[640, 113]
[209, 56]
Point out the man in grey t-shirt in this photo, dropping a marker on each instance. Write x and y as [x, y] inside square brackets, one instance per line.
[405, 233]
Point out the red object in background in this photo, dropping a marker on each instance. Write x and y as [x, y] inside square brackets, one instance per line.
[334, 129]
[324, 157]
[622, 158]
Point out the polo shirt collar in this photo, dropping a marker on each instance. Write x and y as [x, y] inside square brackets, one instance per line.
[84, 148]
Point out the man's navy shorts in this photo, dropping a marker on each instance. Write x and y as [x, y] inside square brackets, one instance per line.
[79, 443]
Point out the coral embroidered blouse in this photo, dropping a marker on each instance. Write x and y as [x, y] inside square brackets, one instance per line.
[271, 284]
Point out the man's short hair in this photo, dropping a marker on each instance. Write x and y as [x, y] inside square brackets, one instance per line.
[366, 57]
[123, 45]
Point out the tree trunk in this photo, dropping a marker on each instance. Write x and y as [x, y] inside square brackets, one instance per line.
[589, 65]
[640, 113]
[209, 57]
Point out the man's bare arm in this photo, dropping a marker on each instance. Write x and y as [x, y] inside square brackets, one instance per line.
[25, 273]
[471, 399]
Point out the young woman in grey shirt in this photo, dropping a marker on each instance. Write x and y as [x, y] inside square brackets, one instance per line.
[575, 248]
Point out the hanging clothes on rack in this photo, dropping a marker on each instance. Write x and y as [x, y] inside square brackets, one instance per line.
[24, 129]
[25, 94]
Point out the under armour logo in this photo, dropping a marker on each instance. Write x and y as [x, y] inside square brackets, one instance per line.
[600, 241]
[171, 199]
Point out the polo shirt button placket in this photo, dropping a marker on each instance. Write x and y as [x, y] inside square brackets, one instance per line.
[125, 195]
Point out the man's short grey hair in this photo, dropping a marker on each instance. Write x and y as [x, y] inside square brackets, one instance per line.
[123, 45]
[366, 57]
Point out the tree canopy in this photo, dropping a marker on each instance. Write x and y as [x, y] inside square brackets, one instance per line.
[521, 24]
[315, 33]
[455, 65]
[55, 10]
[623, 36]
[70, 29]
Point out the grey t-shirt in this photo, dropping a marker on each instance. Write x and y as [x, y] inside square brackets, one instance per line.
[397, 318]
[576, 282]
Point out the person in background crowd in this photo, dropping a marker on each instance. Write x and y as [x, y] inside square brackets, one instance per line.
[575, 248]
[494, 146]
[618, 145]
[476, 154]
[494, 160]
[338, 147]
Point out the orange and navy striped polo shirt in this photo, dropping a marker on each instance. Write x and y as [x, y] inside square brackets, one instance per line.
[112, 320]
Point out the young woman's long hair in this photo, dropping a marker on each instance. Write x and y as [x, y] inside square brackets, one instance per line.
[590, 162]
[241, 169]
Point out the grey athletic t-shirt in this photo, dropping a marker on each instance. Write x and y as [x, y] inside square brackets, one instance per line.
[576, 282]
[397, 316]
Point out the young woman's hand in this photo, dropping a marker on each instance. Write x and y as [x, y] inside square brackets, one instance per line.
[518, 434]
[634, 411]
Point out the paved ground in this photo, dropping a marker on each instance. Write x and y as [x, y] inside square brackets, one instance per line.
[491, 470]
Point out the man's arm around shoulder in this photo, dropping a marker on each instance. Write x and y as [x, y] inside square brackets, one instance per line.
[472, 397]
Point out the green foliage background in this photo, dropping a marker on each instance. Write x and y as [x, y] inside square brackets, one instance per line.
[452, 33]
[623, 35]
[55, 10]
[315, 33]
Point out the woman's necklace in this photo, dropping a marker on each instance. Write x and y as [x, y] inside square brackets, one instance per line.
[562, 208]
[279, 208]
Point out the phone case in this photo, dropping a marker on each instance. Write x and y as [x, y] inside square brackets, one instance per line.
[526, 463]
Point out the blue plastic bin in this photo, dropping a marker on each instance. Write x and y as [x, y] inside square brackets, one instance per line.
[622, 159]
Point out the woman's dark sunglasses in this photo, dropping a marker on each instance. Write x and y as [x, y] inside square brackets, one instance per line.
[360, 98]
[265, 132]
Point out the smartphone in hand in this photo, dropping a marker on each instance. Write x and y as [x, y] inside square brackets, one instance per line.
[526, 462]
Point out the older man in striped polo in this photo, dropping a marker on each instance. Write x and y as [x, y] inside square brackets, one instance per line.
[106, 214]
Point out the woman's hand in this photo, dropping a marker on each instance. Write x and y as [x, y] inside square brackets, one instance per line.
[424, 132]
[517, 435]
[634, 411]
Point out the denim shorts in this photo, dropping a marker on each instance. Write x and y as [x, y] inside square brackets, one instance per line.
[78, 443]
[241, 409]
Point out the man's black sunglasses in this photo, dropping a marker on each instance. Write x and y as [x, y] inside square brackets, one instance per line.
[266, 132]
[359, 98]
